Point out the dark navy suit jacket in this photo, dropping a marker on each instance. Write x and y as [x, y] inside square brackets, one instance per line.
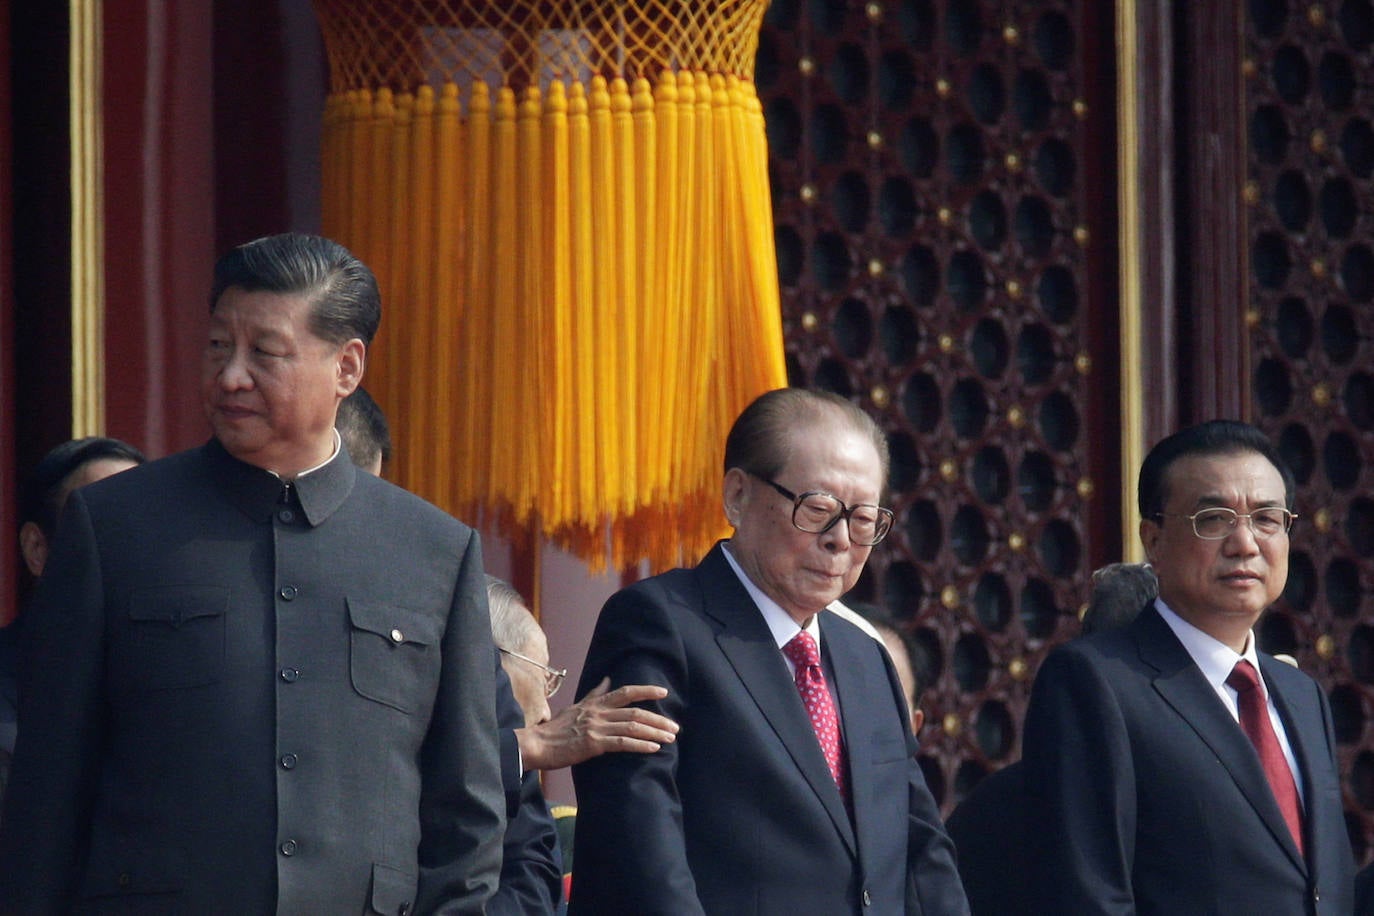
[988, 829]
[740, 816]
[1144, 796]
[531, 870]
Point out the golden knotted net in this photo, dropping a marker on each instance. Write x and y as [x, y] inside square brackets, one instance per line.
[567, 207]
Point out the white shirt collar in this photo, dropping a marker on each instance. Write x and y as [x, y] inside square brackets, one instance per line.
[1211, 655]
[332, 455]
[1215, 660]
[780, 623]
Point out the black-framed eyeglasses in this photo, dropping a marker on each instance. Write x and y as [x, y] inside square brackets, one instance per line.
[553, 677]
[1218, 522]
[816, 512]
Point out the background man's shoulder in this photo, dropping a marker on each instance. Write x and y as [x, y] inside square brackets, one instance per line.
[171, 476]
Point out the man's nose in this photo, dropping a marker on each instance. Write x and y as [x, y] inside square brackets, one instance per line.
[234, 374]
[1241, 539]
[836, 537]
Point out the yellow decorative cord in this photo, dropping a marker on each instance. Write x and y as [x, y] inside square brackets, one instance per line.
[568, 210]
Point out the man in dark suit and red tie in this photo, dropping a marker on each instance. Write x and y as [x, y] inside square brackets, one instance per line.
[793, 786]
[1170, 766]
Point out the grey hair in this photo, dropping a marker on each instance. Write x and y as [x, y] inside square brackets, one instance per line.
[761, 436]
[512, 624]
[363, 428]
[1120, 592]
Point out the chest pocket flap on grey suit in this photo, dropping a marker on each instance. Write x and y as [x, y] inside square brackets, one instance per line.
[171, 638]
[393, 653]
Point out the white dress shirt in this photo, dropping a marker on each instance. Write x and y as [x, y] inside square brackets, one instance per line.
[1216, 660]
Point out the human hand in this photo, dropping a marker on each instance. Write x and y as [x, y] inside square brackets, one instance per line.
[600, 722]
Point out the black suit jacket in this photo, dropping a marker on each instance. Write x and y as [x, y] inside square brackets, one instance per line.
[243, 697]
[740, 815]
[1144, 795]
[1364, 891]
[531, 870]
[988, 829]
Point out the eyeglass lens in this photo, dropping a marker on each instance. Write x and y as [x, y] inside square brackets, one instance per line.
[817, 512]
[1214, 524]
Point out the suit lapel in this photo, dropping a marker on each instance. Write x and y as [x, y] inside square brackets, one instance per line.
[1182, 685]
[857, 699]
[748, 645]
[1306, 735]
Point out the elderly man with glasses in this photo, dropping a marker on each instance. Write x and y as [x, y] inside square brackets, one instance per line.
[602, 721]
[792, 786]
[1170, 766]
[597, 724]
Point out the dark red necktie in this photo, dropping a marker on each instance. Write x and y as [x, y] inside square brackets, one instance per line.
[820, 705]
[1254, 720]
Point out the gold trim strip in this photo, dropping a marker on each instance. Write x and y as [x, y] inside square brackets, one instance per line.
[88, 220]
[1129, 218]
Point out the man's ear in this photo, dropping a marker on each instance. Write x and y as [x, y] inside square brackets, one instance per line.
[352, 359]
[1150, 531]
[733, 495]
[33, 544]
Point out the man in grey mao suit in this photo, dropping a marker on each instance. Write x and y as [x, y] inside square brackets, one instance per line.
[257, 679]
[1144, 792]
[744, 814]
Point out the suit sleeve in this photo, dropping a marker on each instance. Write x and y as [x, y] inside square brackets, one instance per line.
[932, 874]
[1080, 791]
[631, 849]
[531, 876]
[462, 798]
[934, 885]
[56, 762]
[987, 831]
[1364, 890]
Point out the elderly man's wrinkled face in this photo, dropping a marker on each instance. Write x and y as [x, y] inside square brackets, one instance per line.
[270, 387]
[527, 678]
[804, 572]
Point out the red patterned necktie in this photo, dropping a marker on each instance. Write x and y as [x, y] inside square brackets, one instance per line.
[820, 705]
[1254, 720]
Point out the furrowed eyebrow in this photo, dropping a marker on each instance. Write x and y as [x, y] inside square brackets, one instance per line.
[1219, 502]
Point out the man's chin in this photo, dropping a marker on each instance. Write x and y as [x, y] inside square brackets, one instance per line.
[822, 600]
[1242, 603]
[237, 442]
[1248, 612]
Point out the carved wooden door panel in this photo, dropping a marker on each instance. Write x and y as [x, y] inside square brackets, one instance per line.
[1310, 213]
[942, 180]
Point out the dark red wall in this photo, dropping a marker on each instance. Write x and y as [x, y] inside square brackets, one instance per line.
[211, 114]
[159, 217]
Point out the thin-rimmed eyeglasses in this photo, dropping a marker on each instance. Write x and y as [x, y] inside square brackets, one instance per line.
[553, 677]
